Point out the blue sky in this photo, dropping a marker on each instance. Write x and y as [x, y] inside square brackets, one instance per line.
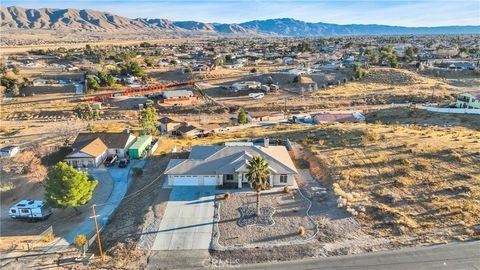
[389, 12]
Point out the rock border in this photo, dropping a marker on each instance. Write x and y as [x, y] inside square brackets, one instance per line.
[215, 244]
[248, 216]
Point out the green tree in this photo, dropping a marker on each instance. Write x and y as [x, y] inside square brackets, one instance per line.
[148, 62]
[92, 83]
[374, 58]
[110, 80]
[65, 186]
[187, 69]
[102, 77]
[258, 175]
[359, 71]
[86, 112]
[242, 117]
[3, 67]
[148, 120]
[409, 54]
[132, 68]
[15, 69]
[15, 90]
[393, 61]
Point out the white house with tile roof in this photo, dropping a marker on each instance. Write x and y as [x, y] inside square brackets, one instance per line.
[227, 164]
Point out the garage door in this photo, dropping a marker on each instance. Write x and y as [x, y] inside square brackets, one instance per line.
[210, 180]
[182, 180]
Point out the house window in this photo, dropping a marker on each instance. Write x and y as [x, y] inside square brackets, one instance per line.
[283, 178]
[229, 177]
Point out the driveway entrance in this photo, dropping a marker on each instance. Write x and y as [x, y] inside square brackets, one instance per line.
[188, 219]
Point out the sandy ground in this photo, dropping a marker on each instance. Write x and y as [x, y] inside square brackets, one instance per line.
[61, 220]
[290, 214]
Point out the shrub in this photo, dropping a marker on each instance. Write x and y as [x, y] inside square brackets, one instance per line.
[227, 195]
[286, 189]
[301, 230]
[323, 222]
[80, 241]
[48, 238]
[137, 171]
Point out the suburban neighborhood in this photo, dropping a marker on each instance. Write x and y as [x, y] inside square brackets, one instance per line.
[138, 142]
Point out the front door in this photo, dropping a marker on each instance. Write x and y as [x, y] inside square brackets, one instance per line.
[244, 178]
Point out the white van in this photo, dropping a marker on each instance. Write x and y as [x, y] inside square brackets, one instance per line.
[30, 209]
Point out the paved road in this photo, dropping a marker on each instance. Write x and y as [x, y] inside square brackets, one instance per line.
[119, 176]
[450, 256]
[188, 220]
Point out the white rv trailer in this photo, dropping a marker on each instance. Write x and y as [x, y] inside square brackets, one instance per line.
[30, 209]
[256, 95]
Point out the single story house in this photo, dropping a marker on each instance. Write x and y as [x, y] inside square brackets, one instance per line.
[462, 65]
[246, 85]
[227, 164]
[169, 126]
[189, 131]
[323, 118]
[176, 94]
[87, 153]
[91, 149]
[468, 101]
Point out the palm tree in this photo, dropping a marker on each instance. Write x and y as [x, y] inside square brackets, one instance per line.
[258, 175]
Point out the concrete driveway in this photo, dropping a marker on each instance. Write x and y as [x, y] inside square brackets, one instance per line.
[188, 220]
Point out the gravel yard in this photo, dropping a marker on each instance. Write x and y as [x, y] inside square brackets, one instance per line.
[290, 214]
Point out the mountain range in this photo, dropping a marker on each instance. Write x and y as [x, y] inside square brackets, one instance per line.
[75, 20]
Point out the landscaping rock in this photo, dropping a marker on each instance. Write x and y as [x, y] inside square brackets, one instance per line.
[248, 216]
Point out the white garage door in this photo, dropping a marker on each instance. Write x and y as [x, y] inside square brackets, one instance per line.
[182, 180]
[210, 180]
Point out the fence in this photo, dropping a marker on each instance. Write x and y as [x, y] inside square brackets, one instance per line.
[138, 91]
[153, 147]
[453, 110]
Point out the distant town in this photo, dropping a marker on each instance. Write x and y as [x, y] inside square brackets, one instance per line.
[227, 151]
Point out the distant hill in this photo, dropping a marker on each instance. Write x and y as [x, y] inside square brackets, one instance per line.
[90, 20]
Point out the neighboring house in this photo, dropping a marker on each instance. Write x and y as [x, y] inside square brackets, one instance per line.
[87, 153]
[189, 131]
[168, 126]
[90, 149]
[462, 65]
[323, 118]
[468, 101]
[9, 151]
[246, 85]
[227, 165]
[175, 95]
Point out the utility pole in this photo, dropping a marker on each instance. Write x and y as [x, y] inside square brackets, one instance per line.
[98, 233]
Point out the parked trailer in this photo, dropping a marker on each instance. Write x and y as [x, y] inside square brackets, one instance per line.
[256, 95]
[30, 210]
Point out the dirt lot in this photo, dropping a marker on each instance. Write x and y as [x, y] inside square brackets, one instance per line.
[422, 117]
[387, 85]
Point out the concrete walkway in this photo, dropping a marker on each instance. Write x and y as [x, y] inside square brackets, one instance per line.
[188, 220]
[120, 178]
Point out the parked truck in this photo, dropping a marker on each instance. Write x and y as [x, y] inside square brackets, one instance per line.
[30, 210]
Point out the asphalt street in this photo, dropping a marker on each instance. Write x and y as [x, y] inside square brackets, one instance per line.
[450, 256]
